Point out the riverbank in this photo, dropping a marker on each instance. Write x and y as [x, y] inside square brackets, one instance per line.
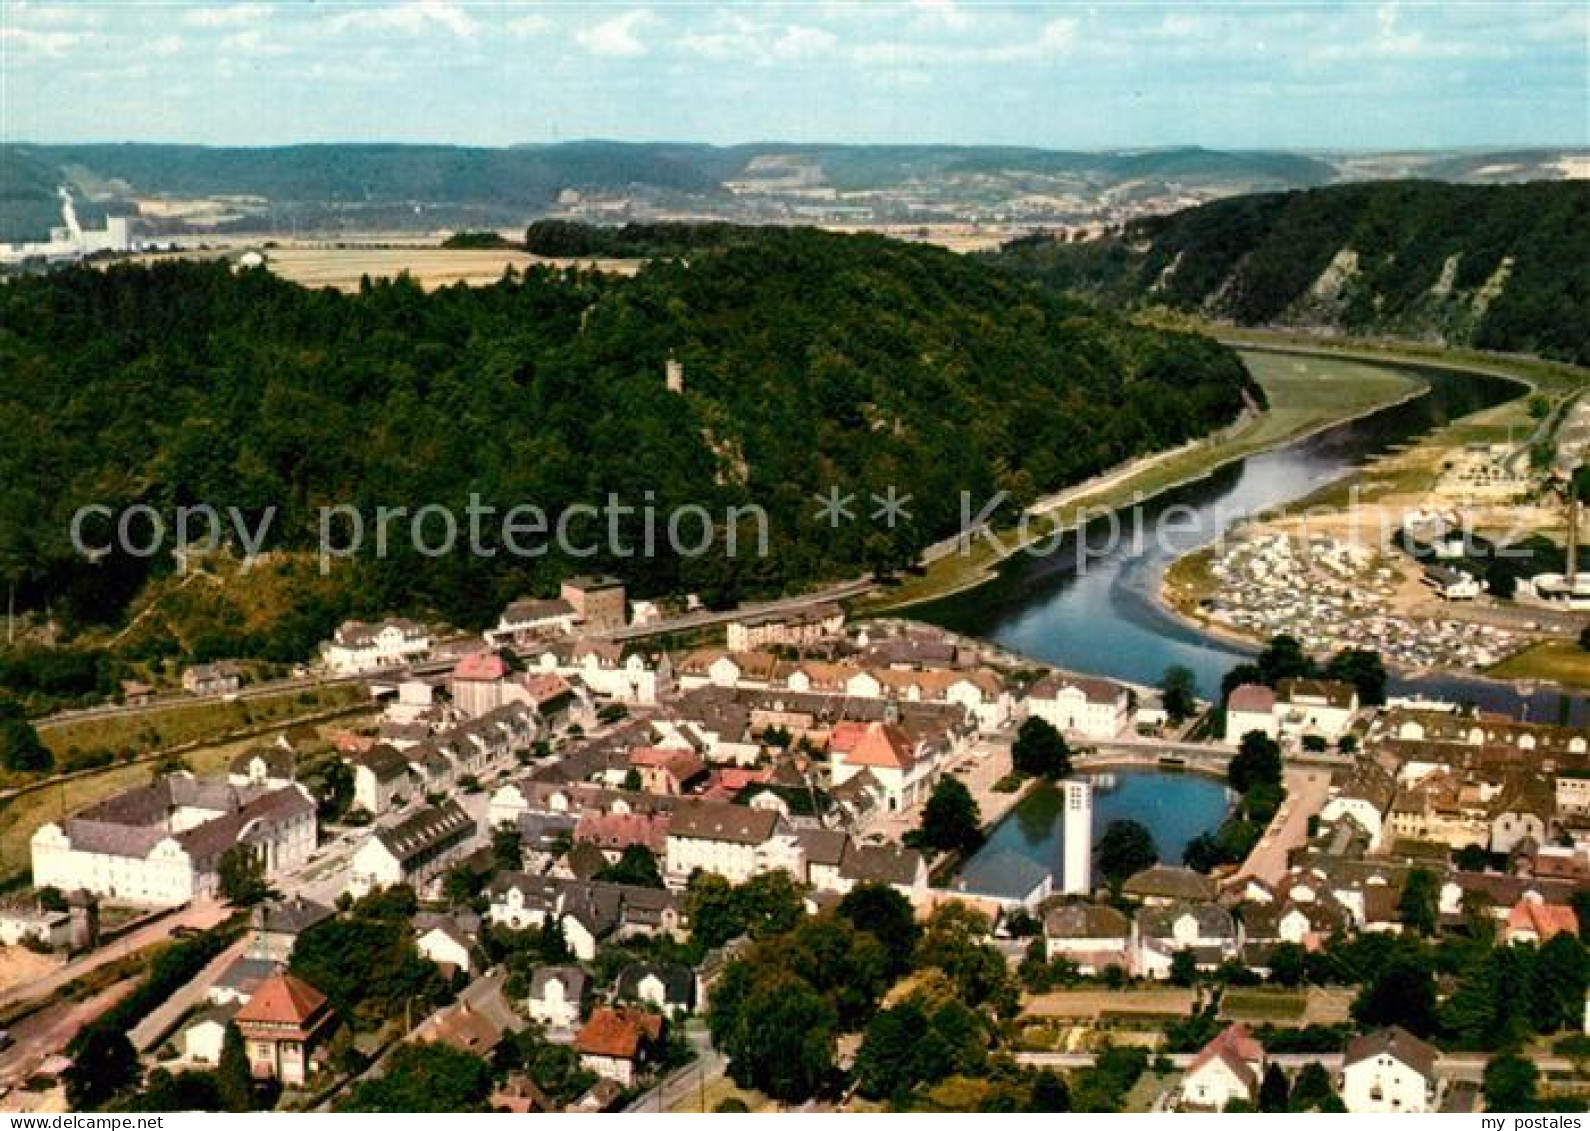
[1307, 394]
[1363, 512]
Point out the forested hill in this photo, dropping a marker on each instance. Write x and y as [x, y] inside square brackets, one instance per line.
[810, 360]
[1500, 267]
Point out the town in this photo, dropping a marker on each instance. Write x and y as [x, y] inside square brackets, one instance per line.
[546, 870]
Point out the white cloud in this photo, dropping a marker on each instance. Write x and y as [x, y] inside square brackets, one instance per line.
[943, 14]
[617, 37]
[803, 43]
[528, 27]
[165, 46]
[49, 44]
[412, 17]
[1057, 37]
[230, 16]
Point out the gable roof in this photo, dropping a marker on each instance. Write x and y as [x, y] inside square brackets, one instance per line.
[282, 999]
[1394, 1041]
[618, 1032]
[1237, 1050]
[678, 982]
[884, 745]
[717, 820]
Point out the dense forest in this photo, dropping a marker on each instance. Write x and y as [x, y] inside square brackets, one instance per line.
[810, 360]
[1500, 267]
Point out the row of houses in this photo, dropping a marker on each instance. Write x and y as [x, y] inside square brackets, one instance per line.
[1385, 1072]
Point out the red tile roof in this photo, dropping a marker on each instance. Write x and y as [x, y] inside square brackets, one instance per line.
[1542, 919]
[282, 999]
[885, 745]
[618, 1032]
[481, 666]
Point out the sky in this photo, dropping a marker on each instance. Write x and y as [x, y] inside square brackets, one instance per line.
[1055, 75]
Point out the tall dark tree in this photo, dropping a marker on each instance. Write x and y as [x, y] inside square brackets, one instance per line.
[1401, 993]
[1040, 750]
[104, 1066]
[1179, 693]
[951, 820]
[21, 751]
[1125, 848]
[1256, 762]
[1511, 1084]
[886, 915]
[241, 874]
[1419, 907]
[234, 1078]
[1274, 1090]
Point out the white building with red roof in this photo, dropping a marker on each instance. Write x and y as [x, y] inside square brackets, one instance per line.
[904, 773]
[1230, 1067]
[282, 1025]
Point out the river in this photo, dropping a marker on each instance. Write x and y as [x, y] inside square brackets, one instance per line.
[1106, 618]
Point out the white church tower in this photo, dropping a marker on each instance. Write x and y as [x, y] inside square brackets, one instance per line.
[1078, 838]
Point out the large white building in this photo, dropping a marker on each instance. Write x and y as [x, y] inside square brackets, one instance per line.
[71, 240]
[1389, 1071]
[414, 851]
[1097, 708]
[161, 844]
[360, 647]
[732, 841]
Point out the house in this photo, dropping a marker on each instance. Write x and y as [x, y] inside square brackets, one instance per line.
[445, 943]
[530, 617]
[1250, 707]
[1533, 920]
[1322, 708]
[1095, 708]
[888, 865]
[205, 1035]
[1451, 584]
[799, 628]
[475, 1027]
[32, 923]
[283, 1025]
[1207, 930]
[241, 980]
[220, 678]
[617, 1041]
[277, 924]
[1364, 793]
[557, 995]
[359, 647]
[732, 841]
[380, 778]
[161, 844]
[519, 1095]
[1094, 936]
[268, 766]
[1388, 1071]
[1163, 885]
[413, 851]
[479, 681]
[667, 771]
[1230, 1067]
[668, 986]
[884, 750]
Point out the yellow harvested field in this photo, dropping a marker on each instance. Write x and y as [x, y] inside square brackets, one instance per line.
[432, 267]
[343, 267]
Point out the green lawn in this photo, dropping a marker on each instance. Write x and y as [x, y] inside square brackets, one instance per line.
[1552, 661]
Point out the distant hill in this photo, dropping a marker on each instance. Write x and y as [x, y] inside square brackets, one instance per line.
[811, 360]
[369, 187]
[1503, 267]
